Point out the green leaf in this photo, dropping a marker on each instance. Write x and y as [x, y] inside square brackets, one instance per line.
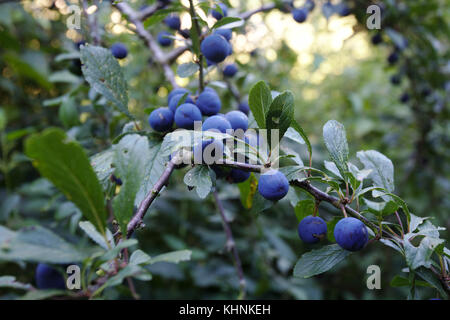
[68, 113]
[330, 228]
[141, 258]
[43, 294]
[67, 166]
[112, 253]
[105, 76]
[199, 178]
[186, 70]
[336, 143]
[260, 100]
[64, 77]
[300, 130]
[227, 20]
[431, 279]
[155, 165]
[3, 119]
[280, 115]
[382, 173]
[131, 157]
[247, 189]
[102, 164]
[421, 255]
[37, 244]
[10, 282]
[318, 261]
[96, 236]
[304, 208]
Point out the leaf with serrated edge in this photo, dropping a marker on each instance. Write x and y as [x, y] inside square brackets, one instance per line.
[336, 143]
[102, 71]
[318, 261]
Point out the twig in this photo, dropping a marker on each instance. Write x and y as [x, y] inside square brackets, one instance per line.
[158, 54]
[246, 15]
[231, 247]
[136, 221]
[150, 10]
[194, 18]
[92, 23]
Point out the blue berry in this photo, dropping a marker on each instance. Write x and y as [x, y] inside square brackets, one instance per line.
[300, 14]
[186, 115]
[175, 92]
[216, 123]
[215, 48]
[163, 39]
[244, 107]
[230, 70]
[351, 234]
[224, 32]
[175, 101]
[209, 102]
[213, 153]
[312, 229]
[161, 119]
[238, 176]
[393, 58]
[238, 120]
[273, 185]
[49, 278]
[173, 21]
[119, 50]
[219, 15]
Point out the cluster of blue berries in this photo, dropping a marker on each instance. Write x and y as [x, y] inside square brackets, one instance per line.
[173, 22]
[350, 233]
[300, 14]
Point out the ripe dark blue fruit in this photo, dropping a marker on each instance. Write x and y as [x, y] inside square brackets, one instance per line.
[185, 33]
[226, 33]
[80, 43]
[173, 21]
[213, 153]
[244, 107]
[343, 10]
[49, 278]
[216, 123]
[396, 79]
[351, 234]
[393, 58]
[376, 39]
[300, 14]
[161, 119]
[238, 120]
[175, 101]
[186, 115]
[209, 102]
[163, 39]
[238, 176]
[310, 5]
[230, 70]
[119, 50]
[404, 98]
[175, 92]
[273, 185]
[215, 48]
[219, 15]
[312, 229]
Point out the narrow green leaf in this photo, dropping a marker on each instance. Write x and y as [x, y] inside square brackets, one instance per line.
[304, 208]
[228, 20]
[336, 143]
[186, 70]
[299, 129]
[260, 100]
[280, 115]
[67, 166]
